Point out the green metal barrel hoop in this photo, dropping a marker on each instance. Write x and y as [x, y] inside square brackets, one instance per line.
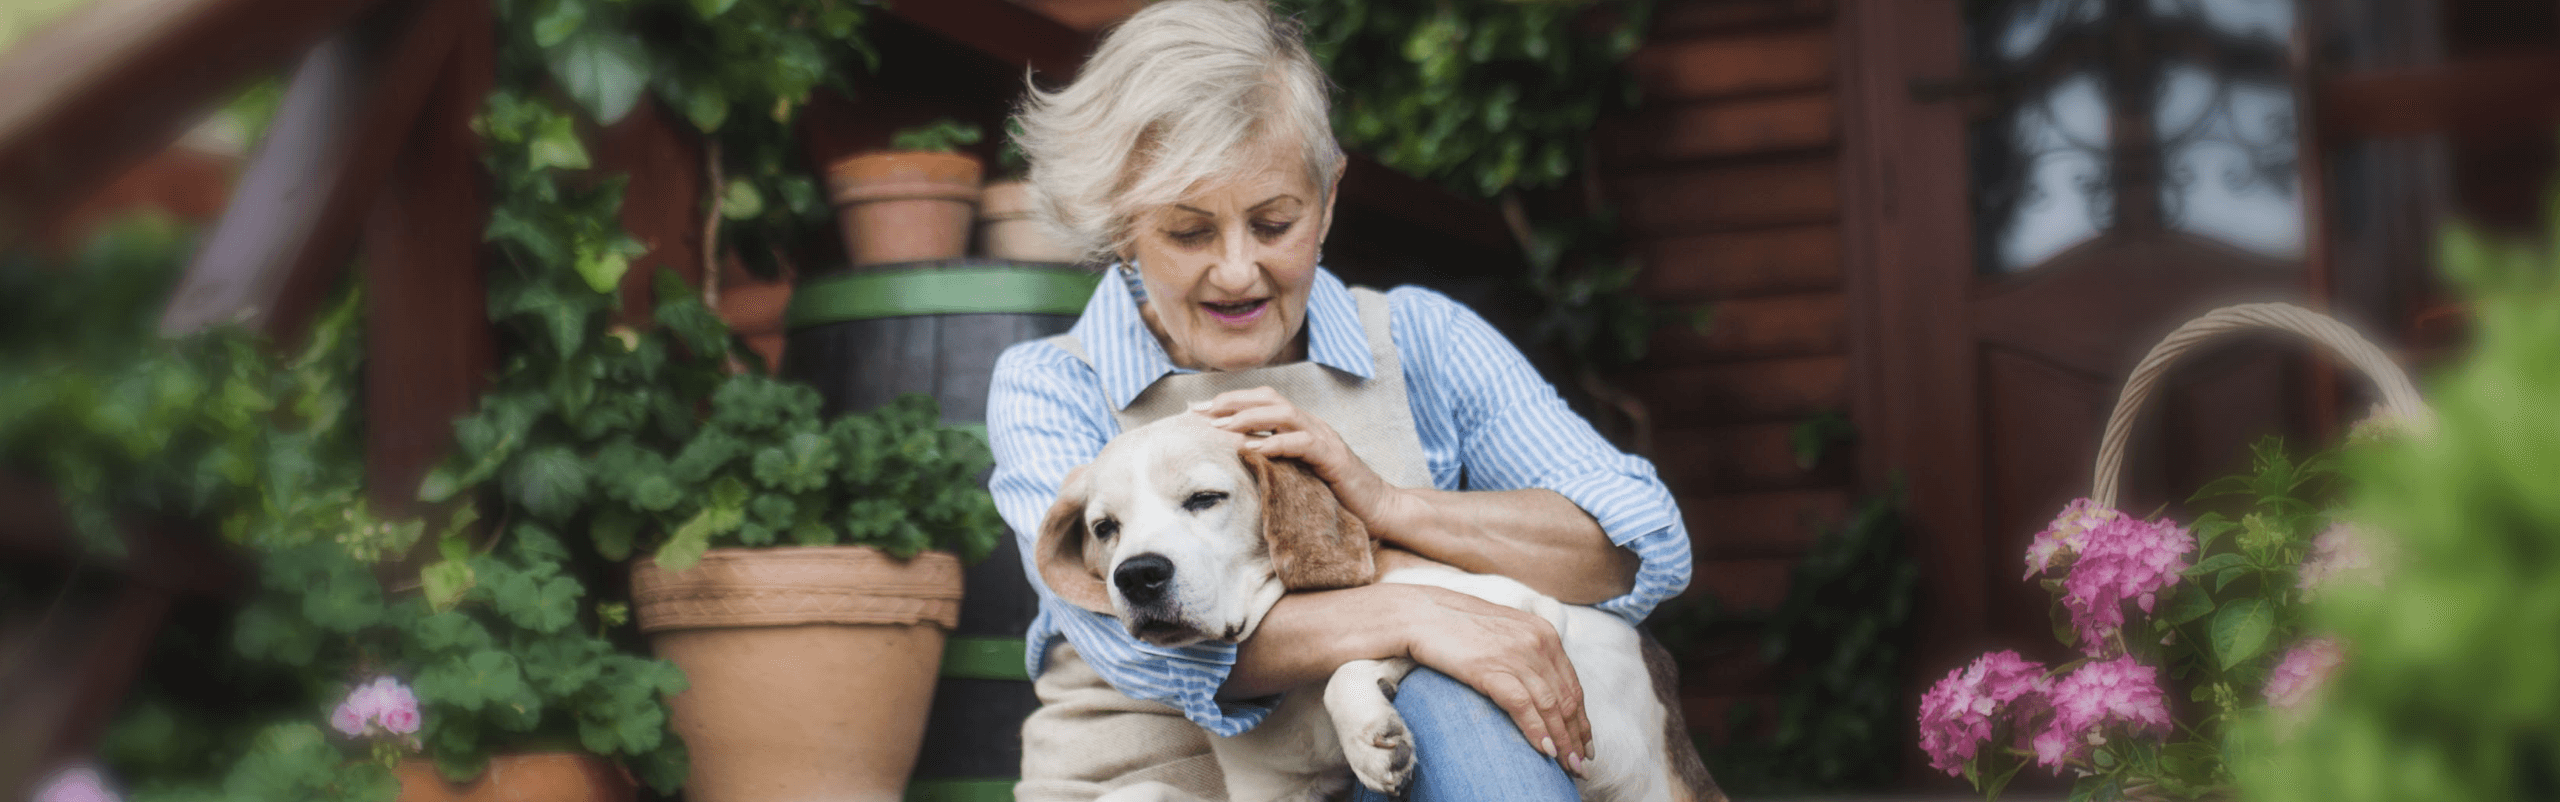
[959, 290]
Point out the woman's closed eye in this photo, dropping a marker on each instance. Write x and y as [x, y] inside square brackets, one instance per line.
[1203, 500]
[1191, 237]
[1272, 229]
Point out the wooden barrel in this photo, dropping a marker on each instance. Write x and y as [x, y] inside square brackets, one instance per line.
[864, 337]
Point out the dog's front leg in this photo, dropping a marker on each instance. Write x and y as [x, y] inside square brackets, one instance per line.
[1361, 700]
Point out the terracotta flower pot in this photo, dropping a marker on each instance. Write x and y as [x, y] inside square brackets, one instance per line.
[811, 668]
[1007, 230]
[904, 206]
[528, 777]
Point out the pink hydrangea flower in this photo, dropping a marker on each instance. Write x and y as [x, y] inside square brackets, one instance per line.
[2122, 560]
[78, 783]
[2302, 672]
[2065, 536]
[1957, 715]
[2120, 695]
[2338, 552]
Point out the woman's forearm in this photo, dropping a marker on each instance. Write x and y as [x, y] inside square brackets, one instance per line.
[1536, 536]
[1307, 635]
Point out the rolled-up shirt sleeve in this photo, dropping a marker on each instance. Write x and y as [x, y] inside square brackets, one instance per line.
[1046, 414]
[1512, 431]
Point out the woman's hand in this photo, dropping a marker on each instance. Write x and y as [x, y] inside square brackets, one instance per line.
[1514, 658]
[1292, 432]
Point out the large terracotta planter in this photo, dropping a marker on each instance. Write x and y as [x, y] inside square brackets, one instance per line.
[904, 206]
[1007, 230]
[811, 669]
[529, 777]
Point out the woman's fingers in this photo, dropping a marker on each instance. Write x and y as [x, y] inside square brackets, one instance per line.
[1516, 660]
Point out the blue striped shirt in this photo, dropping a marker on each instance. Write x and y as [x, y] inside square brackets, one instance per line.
[1483, 414]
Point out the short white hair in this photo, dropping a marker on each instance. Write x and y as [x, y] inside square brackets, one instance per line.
[1175, 97]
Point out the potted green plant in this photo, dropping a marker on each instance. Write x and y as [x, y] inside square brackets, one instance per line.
[912, 202]
[1007, 228]
[803, 573]
[485, 659]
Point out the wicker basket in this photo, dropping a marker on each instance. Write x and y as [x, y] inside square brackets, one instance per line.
[2399, 401]
[2399, 398]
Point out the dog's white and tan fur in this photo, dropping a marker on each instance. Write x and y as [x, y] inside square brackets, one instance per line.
[1220, 533]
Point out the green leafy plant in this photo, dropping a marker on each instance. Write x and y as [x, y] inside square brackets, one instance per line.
[2444, 689]
[944, 136]
[2183, 633]
[1841, 639]
[739, 72]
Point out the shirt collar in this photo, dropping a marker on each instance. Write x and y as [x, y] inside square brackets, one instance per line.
[1129, 359]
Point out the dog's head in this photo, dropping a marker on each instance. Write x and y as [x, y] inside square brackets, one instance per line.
[1186, 536]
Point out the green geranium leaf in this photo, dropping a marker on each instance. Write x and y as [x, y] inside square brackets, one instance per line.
[550, 482]
[708, 9]
[612, 530]
[444, 582]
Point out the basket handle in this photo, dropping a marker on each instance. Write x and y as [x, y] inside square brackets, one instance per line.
[2399, 397]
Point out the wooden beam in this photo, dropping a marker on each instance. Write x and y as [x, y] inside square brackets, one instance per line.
[428, 345]
[293, 219]
[107, 85]
[2479, 95]
[1008, 32]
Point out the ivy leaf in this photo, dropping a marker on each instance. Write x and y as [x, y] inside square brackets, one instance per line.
[558, 21]
[741, 201]
[603, 269]
[557, 145]
[2240, 631]
[603, 71]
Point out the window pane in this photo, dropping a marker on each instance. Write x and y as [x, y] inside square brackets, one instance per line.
[2268, 21]
[2022, 28]
[2228, 160]
[2043, 184]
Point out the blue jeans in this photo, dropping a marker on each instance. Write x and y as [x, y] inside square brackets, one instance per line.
[1466, 749]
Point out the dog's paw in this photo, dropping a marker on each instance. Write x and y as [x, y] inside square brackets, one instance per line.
[1381, 755]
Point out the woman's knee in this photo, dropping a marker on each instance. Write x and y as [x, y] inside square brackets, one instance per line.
[1467, 748]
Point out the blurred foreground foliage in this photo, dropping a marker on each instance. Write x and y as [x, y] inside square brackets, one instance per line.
[2447, 691]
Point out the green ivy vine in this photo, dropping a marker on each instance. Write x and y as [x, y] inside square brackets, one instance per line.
[1496, 99]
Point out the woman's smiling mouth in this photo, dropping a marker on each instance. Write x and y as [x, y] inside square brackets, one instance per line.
[1237, 312]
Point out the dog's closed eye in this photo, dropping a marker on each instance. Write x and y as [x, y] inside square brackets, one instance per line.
[1203, 500]
[1105, 528]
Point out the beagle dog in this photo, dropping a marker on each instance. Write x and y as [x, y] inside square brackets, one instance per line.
[1186, 538]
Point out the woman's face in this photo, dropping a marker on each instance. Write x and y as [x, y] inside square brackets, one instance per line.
[1227, 269]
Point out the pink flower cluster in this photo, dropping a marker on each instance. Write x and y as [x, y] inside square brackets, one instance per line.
[79, 783]
[1957, 715]
[2338, 552]
[2099, 694]
[381, 706]
[2121, 559]
[2302, 672]
[2069, 532]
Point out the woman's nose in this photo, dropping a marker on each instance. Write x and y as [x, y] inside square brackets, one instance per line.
[1234, 271]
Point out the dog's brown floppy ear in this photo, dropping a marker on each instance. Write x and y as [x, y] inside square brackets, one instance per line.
[1061, 545]
[1315, 543]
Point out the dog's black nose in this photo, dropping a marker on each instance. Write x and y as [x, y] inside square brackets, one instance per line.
[1143, 578]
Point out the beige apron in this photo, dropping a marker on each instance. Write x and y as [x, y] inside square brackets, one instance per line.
[1087, 739]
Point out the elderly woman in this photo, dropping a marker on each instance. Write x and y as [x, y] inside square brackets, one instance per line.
[1194, 154]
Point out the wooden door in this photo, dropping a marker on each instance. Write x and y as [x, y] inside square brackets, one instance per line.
[2037, 191]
